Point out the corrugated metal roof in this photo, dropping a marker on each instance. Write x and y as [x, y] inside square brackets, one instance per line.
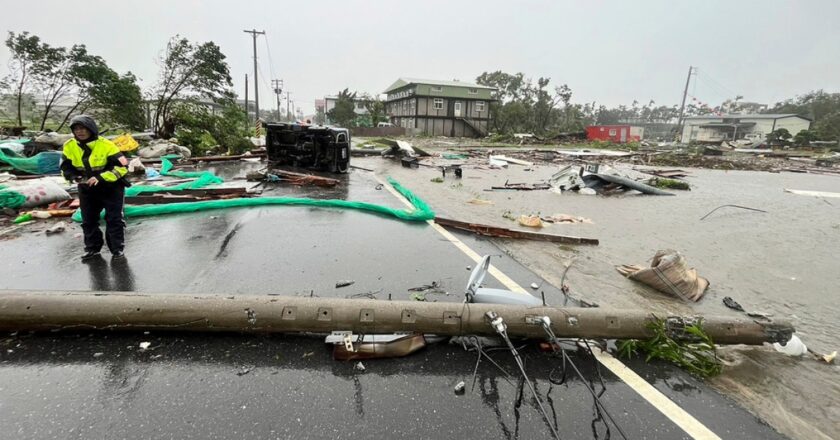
[402, 82]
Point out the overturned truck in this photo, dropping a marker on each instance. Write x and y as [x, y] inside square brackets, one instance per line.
[308, 146]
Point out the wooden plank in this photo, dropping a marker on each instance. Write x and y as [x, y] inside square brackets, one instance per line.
[496, 231]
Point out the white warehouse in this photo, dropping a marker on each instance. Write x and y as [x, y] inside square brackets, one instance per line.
[713, 128]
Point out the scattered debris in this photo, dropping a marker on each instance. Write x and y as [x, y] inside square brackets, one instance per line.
[360, 366]
[340, 284]
[668, 273]
[732, 304]
[244, 370]
[794, 347]
[437, 180]
[732, 206]
[521, 186]
[813, 193]
[531, 221]
[293, 178]
[509, 160]
[478, 201]
[56, 228]
[565, 218]
[460, 387]
[594, 153]
[98, 354]
[495, 231]
[670, 184]
[145, 345]
[535, 286]
[829, 358]
[161, 147]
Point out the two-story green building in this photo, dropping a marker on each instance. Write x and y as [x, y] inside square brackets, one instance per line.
[439, 108]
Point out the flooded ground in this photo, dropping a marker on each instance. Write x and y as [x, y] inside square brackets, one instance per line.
[192, 385]
[783, 262]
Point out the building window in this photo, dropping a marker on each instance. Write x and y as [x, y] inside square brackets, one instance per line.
[360, 105]
[438, 104]
[437, 88]
[473, 91]
[479, 106]
[612, 132]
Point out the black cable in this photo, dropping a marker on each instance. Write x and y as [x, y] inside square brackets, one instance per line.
[501, 330]
[553, 341]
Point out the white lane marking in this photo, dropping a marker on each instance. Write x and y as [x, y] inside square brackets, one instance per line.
[499, 275]
[666, 406]
[661, 402]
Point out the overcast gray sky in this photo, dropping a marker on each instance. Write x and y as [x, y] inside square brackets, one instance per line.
[610, 52]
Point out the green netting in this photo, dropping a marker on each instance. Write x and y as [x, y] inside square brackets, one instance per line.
[421, 211]
[47, 162]
[11, 199]
[205, 178]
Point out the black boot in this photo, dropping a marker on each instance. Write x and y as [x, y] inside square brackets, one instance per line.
[89, 255]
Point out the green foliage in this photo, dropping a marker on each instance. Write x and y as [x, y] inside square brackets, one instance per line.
[828, 127]
[59, 74]
[804, 138]
[30, 58]
[344, 112]
[118, 101]
[320, 116]
[189, 71]
[816, 105]
[780, 136]
[376, 110]
[697, 356]
[199, 128]
[670, 183]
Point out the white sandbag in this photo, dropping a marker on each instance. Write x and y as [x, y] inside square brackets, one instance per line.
[41, 192]
[53, 138]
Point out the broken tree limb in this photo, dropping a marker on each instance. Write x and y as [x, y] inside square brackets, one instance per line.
[22, 310]
[496, 231]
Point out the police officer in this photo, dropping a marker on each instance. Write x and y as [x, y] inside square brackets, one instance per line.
[99, 168]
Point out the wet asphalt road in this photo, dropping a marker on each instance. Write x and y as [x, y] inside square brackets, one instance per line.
[101, 385]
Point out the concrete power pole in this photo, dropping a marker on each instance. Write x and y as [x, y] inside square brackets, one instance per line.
[691, 70]
[277, 84]
[254, 34]
[288, 114]
[247, 114]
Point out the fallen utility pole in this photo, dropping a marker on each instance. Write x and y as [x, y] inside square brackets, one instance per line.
[496, 231]
[22, 310]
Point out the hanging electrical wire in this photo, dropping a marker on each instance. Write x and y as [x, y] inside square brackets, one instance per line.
[270, 61]
[554, 341]
[499, 325]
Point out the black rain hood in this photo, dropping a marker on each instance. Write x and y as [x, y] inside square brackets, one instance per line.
[87, 122]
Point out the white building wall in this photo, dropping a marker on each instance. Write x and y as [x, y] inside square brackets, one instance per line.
[793, 125]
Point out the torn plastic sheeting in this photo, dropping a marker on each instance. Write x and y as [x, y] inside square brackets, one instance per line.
[46, 162]
[205, 178]
[11, 199]
[421, 211]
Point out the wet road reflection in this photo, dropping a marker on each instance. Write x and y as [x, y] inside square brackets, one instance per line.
[119, 278]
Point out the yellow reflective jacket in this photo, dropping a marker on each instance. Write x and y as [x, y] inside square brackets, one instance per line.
[100, 158]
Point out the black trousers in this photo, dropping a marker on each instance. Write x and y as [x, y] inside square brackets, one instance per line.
[92, 200]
